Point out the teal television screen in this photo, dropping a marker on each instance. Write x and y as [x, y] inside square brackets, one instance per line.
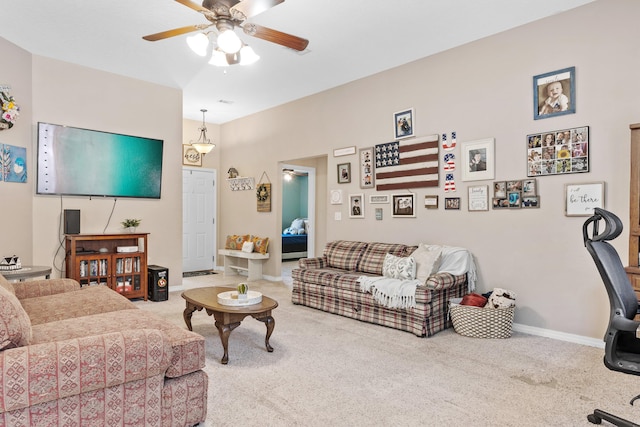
[83, 162]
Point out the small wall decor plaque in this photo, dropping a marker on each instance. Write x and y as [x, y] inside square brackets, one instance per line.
[580, 199]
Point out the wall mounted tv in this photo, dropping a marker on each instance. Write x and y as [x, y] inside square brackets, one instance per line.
[83, 162]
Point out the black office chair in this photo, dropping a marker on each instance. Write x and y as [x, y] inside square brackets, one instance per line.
[622, 339]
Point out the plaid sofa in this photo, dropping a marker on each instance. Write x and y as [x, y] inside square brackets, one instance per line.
[329, 283]
[89, 357]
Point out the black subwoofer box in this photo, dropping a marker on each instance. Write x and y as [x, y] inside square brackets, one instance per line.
[158, 283]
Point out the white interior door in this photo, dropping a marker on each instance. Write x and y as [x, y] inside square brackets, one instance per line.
[198, 219]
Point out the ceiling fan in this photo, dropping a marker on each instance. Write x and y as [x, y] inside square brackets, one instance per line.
[225, 16]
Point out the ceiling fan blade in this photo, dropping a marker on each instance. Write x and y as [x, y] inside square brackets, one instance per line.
[251, 8]
[174, 32]
[193, 5]
[274, 36]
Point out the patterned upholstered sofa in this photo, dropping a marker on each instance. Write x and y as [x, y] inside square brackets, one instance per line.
[330, 283]
[88, 357]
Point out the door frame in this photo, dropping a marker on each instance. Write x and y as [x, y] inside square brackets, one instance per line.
[311, 203]
[213, 223]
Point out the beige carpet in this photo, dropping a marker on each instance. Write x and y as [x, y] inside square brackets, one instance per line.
[328, 370]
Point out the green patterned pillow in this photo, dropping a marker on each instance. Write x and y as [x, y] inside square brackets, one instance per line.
[397, 267]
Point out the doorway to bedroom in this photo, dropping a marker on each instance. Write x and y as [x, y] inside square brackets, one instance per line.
[298, 212]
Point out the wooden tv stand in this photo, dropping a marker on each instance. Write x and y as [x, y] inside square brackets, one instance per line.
[124, 272]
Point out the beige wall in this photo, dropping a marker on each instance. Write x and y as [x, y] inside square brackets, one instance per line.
[77, 96]
[16, 199]
[480, 90]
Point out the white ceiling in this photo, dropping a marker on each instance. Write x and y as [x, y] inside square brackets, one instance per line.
[349, 39]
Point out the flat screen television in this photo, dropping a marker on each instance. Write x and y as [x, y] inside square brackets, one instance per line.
[82, 162]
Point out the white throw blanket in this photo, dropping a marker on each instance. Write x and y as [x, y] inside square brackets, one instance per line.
[458, 261]
[392, 293]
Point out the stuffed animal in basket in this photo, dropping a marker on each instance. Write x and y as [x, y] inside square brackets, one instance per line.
[501, 298]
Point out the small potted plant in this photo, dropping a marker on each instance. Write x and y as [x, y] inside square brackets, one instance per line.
[130, 224]
[243, 290]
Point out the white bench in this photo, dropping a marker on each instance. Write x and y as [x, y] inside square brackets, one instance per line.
[253, 265]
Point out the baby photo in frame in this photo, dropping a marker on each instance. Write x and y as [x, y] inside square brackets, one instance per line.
[554, 93]
[356, 206]
[344, 173]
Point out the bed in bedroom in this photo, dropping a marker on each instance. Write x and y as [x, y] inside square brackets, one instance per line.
[294, 246]
[294, 239]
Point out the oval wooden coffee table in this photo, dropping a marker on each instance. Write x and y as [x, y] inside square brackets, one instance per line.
[228, 317]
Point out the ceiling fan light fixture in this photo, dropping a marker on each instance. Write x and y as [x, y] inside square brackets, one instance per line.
[218, 58]
[198, 43]
[229, 41]
[248, 56]
[203, 145]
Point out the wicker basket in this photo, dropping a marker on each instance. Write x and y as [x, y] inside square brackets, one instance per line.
[479, 322]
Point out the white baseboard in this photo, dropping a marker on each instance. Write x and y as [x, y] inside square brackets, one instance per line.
[562, 336]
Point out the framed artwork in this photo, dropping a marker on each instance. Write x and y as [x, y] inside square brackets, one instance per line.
[514, 198]
[356, 206]
[336, 197]
[478, 198]
[558, 152]
[338, 152]
[367, 162]
[452, 203]
[529, 187]
[500, 202]
[500, 189]
[190, 156]
[13, 163]
[529, 202]
[431, 202]
[478, 160]
[378, 198]
[580, 199]
[403, 124]
[379, 214]
[404, 205]
[554, 93]
[344, 173]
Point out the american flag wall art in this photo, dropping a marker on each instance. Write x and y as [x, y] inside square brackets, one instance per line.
[407, 164]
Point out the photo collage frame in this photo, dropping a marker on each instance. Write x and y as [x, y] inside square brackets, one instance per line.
[558, 152]
[516, 194]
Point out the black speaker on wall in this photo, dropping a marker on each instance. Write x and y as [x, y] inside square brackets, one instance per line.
[72, 221]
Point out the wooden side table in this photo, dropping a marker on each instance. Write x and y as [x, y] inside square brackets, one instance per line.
[27, 272]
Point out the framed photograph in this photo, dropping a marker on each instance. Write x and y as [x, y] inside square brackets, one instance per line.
[554, 93]
[478, 160]
[378, 198]
[514, 198]
[529, 187]
[558, 152]
[403, 124]
[367, 162]
[529, 202]
[356, 206]
[344, 173]
[452, 203]
[347, 151]
[478, 198]
[404, 205]
[500, 189]
[514, 185]
[580, 199]
[431, 202]
[500, 202]
[378, 214]
[190, 156]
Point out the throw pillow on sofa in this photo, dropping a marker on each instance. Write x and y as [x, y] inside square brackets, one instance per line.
[15, 325]
[427, 260]
[397, 267]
